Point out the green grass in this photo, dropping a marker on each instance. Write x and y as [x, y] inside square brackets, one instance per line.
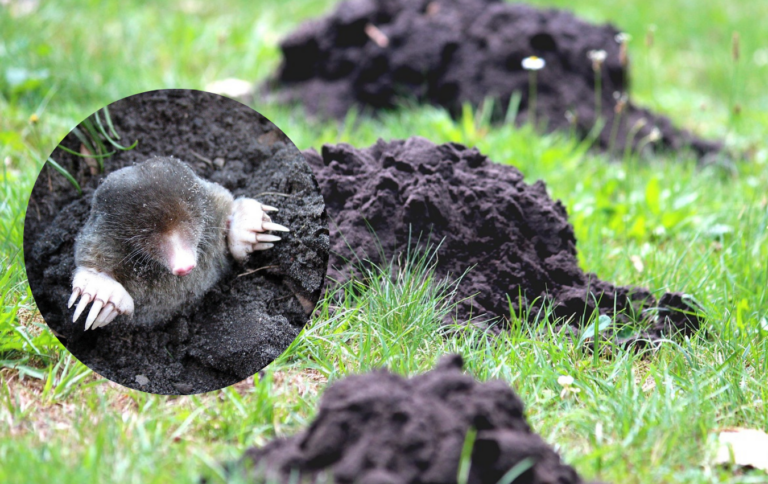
[665, 224]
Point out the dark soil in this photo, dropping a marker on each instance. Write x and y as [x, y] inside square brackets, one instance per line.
[381, 428]
[450, 52]
[515, 239]
[245, 321]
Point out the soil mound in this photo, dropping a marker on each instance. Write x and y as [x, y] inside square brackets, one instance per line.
[375, 54]
[247, 319]
[382, 428]
[515, 239]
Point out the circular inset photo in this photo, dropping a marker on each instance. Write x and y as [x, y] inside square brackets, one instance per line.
[176, 242]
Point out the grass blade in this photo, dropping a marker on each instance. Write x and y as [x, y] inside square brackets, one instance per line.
[66, 174]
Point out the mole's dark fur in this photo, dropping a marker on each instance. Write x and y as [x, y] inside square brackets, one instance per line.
[132, 210]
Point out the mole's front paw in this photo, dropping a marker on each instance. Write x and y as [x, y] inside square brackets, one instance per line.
[109, 297]
[247, 225]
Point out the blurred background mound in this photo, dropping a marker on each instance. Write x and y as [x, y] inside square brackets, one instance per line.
[376, 54]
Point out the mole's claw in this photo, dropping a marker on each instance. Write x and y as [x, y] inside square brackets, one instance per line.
[107, 315]
[267, 238]
[108, 309]
[248, 222]
[81, 305]
[274, 226]
[109, 318]
[108, 296]
[73, 297]
[95, 310]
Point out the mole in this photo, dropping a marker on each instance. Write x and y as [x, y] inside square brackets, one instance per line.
[157, 239]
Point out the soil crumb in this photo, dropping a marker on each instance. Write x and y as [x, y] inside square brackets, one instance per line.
[382, 428]
[253, 314]
[378, 54]
[511, 237]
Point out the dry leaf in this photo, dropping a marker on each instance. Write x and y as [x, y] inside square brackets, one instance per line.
[743, 447]
[92, 163]
[234, 88]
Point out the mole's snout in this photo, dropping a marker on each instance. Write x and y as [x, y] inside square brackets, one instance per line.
[181, 257]
[183, 271]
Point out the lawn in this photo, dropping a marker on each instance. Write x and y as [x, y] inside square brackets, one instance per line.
[664, 223]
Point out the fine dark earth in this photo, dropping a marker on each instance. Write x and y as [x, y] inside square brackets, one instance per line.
[248, 318]
[377, 54]
[382, 428]
[515, 239]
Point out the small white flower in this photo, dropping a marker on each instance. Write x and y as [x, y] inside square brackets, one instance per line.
[639, 124]
[597, 56]
[622, 38]
[533, 63]
[654, 135]
[566, 382]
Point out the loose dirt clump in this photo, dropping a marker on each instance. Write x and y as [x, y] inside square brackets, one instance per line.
[382, 428]
[511, 237]
[376, 54]
[253, 313]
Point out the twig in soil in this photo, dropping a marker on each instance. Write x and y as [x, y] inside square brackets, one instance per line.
[276, 194]
[257, 270]
[377, 36]
[201, 157]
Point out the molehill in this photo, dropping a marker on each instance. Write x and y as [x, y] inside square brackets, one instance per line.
[253, 314]
[375, 54]
[382, 428]
[515, 239]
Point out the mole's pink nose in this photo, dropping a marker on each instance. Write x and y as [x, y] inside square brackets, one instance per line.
[181, 257]
[183, 271]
